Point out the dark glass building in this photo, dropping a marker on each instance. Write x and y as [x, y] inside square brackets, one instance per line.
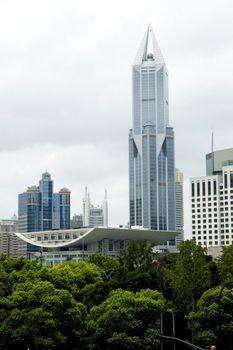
[64, 197]
[46, 190]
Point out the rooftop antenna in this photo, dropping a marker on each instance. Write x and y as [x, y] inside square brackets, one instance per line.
[212, 150]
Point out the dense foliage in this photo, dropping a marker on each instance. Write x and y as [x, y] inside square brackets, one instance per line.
[114, 304]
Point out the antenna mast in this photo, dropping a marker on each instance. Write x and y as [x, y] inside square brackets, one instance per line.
[212, 151]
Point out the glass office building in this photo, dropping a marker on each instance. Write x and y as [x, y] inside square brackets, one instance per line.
[151, 142]
[64, 195]
[39, 209]
[56, 211]
[46, 189]
[29, 210]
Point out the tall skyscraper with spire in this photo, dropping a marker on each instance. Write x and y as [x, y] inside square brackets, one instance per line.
[151, 142]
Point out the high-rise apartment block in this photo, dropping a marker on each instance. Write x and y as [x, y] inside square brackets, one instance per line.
[8, 240]
[76, 221]
[212, 201]
[151, 142]
[179, 206]
[95, 216]
[40, 209]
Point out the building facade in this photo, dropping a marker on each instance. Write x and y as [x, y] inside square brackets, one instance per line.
[212, 201]
[151, 142]
[8, 239]
[40, 209]
[179, 206]
[76, 221]
[95, 216]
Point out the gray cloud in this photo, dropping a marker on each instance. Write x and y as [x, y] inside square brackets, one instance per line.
[65, 91]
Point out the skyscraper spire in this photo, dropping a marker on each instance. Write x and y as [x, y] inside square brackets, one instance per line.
[148, 41]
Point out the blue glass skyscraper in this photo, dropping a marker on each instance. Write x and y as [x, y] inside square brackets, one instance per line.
[151, 142]
[64, 195]
[30, 210]
[39, 209]
[46, 189]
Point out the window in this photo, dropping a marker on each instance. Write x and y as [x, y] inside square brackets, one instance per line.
[203, 188]
[209, 188]
[193, 189]
[215, 190]
[198, 189]
[231, 180]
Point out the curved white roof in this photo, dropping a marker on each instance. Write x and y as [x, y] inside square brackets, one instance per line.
[91, 235]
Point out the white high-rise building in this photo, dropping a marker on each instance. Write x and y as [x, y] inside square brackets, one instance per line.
[212, 201]
[95, 216]
[179, 206]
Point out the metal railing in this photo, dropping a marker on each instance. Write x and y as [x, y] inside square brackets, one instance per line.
[174, 343]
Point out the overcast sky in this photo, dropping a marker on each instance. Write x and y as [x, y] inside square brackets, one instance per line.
[65, 91]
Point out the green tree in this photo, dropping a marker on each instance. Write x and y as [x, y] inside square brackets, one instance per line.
[38, 316]
[165, 263]
[138, 269]
[225, 264]
[126, 321]
[205, 320]
[189, 277]
[82, 279]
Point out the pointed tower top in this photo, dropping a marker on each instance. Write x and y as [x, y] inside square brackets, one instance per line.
[143, 54]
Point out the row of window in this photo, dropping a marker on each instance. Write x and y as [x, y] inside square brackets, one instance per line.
[205, 188]
[203, 199]
[210, 232]
[203, 210]
[198, 205]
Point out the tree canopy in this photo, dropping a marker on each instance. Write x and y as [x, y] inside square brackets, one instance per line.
[107, 303]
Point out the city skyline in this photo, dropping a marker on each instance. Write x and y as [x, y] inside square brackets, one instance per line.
[45, 94]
